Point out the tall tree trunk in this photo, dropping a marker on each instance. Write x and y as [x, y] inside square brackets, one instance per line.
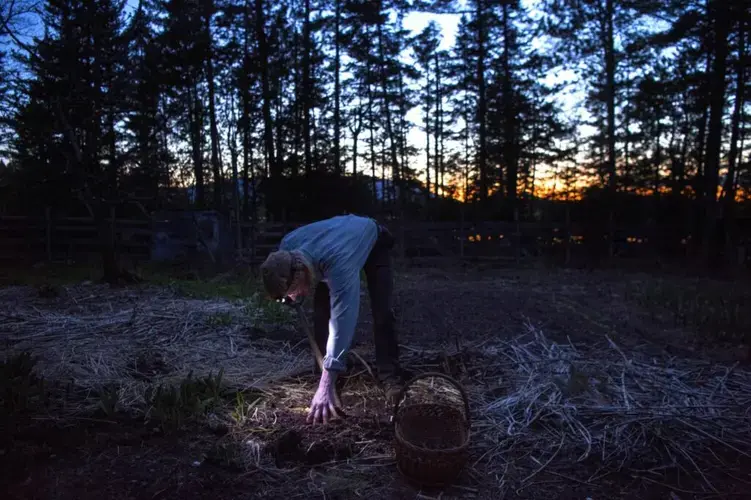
[355, 138]
[268, 132]
[371, 126]
[196, 122]
[315, 141]
[610, 96]
[373, 178]
[672, 147]
[701, 140]
[402, 138]
[356, 129]
[279, 124]
[214, 131]
[245, 92]
[481, 106]
[656, 165]
[533, 167]
[113, 167]
[720, 18]
[682, 162]
[232, 143]
[729, 187]
[441, 149]
[428, 105]
[437, 131]
[396, 177]
[112, 270]
[235, 194]
[509, 125]
[105, 193]
[297, 112]
[740, 97]
[466, 147]
[254, 193]
[306, 83]
[246, 179]
[402, 133]
[626, 138]
[386, 193]
[337, 90]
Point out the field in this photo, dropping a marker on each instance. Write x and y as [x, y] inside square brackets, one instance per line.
[598, 384]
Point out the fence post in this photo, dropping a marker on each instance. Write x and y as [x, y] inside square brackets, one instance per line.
[402, 238]
[238, 231]
[517, 237]
[567, 235]
[462, 236]
[252, 242]
[48, 232]
[112, 222]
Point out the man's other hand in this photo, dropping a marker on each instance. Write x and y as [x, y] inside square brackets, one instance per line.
[325, 403]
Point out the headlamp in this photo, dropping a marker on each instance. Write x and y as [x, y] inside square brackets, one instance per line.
[288, 301]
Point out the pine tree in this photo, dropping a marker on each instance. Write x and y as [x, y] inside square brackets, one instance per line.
[6, 106]
[425, 50]
[148, 156]
[463, 100]
[586, 33]
[75, 98]
[183, 55]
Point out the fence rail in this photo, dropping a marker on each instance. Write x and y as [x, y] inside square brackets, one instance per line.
[60, 238]
[48, 237]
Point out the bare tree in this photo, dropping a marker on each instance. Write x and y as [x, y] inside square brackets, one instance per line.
[17, 18]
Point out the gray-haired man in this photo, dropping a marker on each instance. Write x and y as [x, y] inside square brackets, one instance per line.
[328, 256]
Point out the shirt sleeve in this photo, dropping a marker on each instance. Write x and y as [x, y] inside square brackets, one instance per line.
[344, 294]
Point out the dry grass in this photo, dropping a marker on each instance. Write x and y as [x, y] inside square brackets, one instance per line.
[546, 416]
[95, 337]
[558, 408]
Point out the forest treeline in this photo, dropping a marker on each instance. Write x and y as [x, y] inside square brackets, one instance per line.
[302, 106]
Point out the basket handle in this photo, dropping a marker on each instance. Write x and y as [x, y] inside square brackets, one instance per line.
[448, 378]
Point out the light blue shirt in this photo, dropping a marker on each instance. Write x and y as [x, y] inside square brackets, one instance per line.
[338, 248]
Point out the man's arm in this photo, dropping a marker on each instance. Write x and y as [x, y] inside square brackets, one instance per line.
[345, 306]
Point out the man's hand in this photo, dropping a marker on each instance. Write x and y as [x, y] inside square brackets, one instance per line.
[324, 405]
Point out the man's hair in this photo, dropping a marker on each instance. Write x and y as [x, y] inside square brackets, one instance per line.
[283, 270]
[277, 272]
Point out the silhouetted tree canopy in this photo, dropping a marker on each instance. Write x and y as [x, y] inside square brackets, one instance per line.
[304, 109]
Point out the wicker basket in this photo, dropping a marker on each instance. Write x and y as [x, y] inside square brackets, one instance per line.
[432, 438]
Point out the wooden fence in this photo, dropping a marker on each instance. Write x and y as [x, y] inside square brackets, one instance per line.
[63, 238]
[70, 238]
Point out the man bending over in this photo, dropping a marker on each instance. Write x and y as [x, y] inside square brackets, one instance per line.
[327, 256]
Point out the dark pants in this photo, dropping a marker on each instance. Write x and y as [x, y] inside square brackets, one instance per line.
[380, 286]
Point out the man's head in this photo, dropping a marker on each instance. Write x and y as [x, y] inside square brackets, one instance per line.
[285, 274]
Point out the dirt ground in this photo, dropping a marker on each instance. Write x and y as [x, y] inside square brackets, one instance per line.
[444, 318]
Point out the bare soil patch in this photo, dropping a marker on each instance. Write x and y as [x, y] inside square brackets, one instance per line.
[578, 386]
